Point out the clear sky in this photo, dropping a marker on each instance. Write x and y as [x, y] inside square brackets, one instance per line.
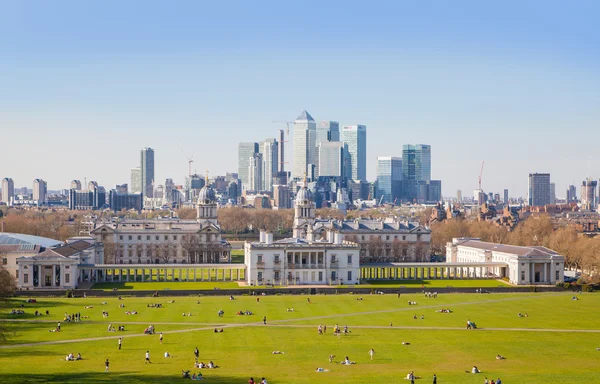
[85, 84]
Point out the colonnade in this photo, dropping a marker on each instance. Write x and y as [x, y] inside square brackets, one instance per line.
[438, 272]
[165, 273]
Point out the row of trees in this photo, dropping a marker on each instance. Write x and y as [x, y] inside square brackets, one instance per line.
[580, 252]
[58, 225]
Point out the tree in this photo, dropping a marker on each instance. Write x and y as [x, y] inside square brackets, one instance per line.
[166, 252]
[420, 251]
[186, 213]
[191, 246]
[375, 247]
[8, 285]
[110, 252]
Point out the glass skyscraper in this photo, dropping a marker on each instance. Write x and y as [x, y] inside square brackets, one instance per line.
[389, 178]
[270, 159]
[332, 156]
[539, 189]
[246, 151]
[355, 136]
[416, 167]
[305, 150]
[147, 170]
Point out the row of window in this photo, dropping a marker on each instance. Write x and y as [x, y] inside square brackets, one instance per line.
[277, 276]
[276, 258]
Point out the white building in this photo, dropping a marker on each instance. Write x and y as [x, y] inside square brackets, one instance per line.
[524, 265]
[333, 156]
[305, 150]
[301, 261]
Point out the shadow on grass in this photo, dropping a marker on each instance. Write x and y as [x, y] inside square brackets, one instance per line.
[110, 377]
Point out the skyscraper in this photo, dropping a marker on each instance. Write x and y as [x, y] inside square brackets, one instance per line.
[269, 149]
[40, 189]
[539, 189]
[147, 170]
[332, 159]
[571, 194]
[459, 196]
[76, 185]
[136, 180]
[506, 196]
[416, 167]
[246, 151]
[8, 191]
[552, 193]
[328, 131]
[255, 175]
[305, 151]
[588, 194]
[389, 178]
[355, 136]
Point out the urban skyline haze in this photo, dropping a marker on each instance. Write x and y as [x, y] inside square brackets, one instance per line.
[85, 86]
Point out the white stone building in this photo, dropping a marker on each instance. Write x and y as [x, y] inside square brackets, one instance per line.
[524, 265]
[167, 241]
[302, 261]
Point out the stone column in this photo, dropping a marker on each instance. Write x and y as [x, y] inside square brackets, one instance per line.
[194, 273]
[179, 274]
[53, 276]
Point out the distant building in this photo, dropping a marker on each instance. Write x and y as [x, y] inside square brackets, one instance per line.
[588, 194]
[40, 191]
[147, 172]
[552, 193]
[305, 150]
[459, 196]
[246, 151]
[360, 190]
[327, 131]
[389, 178]
[282, 198]
[125, 201]
[76, 185]
[122, 188]
[539, 189]
[87, 199]
[136, 180]
[416, 167]
[255, 173]
[571, 194]
[269, 149]
[505, 200]
[8, 191]
[355, 136]
[333, 159]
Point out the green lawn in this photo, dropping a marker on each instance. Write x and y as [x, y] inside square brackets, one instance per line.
[237, 256]
[535, 349]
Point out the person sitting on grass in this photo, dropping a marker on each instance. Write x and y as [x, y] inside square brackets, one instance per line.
[79, 357]
[347, 361]
[322, 370]
[331, 357]
[500, 357]
[277, 353]
[211, 364]
[475, 370]
[167, 354]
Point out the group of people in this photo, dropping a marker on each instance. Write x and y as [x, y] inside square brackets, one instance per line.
[75, 317]
[201, 365]
[485, 381]
[444, 310]
[471, 325]
[70, 357]
[18, 312]
[523, 314]
[431, 295]
[262, 381]
[246, 312]
[153, 305]
[149, 330]
[412, 302]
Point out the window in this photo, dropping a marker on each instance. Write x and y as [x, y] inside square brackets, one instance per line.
[362, 237]
[349, 259]
[387, 237]
[156, 238]
[320, 275]
[333, 259]
[67, 278]
[557, 275]
[276, 259]
[259, 276]
[166, 237]
[120, 237]
[403, 237]
[17, 273]
[4, 261]
[139, 237]
[130, 237]
[175, 237]
[349, 275]
[260, 258]
[522, 275]
[148, 238]
[277, 276]
[25, 278]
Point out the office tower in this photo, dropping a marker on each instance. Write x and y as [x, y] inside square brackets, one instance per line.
[92, 198]
[281, 154]
[327, 131]
[479, 196]
[169, 187]
[552, 193]
[122, 188]
[147, 167]
[305, 152]
[416, 167]
[571, 194]
[24, 191]
[505, 197]
[539, 189]
[40, 189]
[332, 158]
[355, 136]
[8, 191]
[246, 151]
[76, 185]
[136, 180]
[255, 176]
[281, 197]
[459, 196]
[119, 201]
[588, 194]
[434, 191]
[389, 178]
[269, 149]
[91, 185]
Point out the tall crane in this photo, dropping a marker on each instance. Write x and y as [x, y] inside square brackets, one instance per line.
[287, 123]
[481, 174]
[190, 160]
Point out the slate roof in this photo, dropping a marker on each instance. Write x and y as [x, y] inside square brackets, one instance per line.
[530, 251]
[73, 248]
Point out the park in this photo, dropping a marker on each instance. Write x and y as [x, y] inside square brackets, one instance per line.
[543, 337]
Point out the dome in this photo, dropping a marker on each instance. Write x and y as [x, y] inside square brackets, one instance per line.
[206, 195]
[304, 195]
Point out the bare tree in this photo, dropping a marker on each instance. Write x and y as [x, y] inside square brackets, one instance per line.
[420, 251]
[191, 246]
[166, 252]
[375, 248]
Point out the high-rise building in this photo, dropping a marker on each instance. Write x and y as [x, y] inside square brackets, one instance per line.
[389, 178]
[459, 196]
[332, 159]
[269, 149]
[40, 189]
[539, 189]
[505, 200]
[8, 191]
[281, 154]
[76, 185]
[327, 131]
[136, 180]
[305, 151]
[147, 168]
[588, 194]
[122, 188]
[255, 176]
[124, 201]
[416, 167]
[92, 198]
[571, 194]
[355, 136]
[246, 152]
[552, 193]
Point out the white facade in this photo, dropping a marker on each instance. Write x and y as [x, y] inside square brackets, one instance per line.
[331, 158]
[305, 151]
[356, 138]
[525, 265]
[301, 262]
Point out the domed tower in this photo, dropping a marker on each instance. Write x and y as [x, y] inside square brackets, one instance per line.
[207, 204]
[304, 212]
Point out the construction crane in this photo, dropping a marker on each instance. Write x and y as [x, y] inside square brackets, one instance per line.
[287, 123]
[190, 160]
[481, 174]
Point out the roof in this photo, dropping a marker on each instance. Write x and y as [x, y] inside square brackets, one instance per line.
[305, 116]
[48, 254]
[369, 225]
[529, 251]
[7, 238]
[73, 248]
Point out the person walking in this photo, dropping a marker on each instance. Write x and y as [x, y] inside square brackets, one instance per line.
[148, 358]
[120, 341]
[58, 326]
[434, 379]
[265, 320]
[106, 363]
[196, 353]
[161, 337]
[371, 353]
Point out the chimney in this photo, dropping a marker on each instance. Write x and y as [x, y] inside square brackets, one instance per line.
[263, 236]
[268, 238]
[337, 238]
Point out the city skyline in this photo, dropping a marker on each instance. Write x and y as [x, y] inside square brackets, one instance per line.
[471, 81]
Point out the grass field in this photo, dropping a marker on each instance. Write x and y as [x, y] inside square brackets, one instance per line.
[557, 340]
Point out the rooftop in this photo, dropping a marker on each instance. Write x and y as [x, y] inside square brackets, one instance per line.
[7, 238]
[523, 251]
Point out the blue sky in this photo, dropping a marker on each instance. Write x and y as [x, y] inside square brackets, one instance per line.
[85, 85]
